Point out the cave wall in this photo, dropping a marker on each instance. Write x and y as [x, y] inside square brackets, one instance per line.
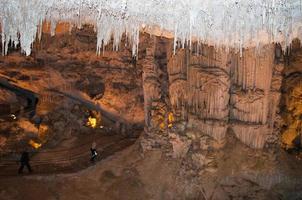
[291, 126]
[208, 90]
[215, 90]
[67, 62]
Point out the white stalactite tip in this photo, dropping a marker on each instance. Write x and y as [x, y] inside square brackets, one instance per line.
[224, 23]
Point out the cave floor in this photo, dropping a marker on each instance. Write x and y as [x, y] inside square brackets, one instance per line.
[70, 155]
[242, 173]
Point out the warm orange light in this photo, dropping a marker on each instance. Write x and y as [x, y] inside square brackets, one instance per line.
[34, 144]
[170, 120]
[91, 122]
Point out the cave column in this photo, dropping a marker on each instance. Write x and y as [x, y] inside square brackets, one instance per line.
[155, 107]
[256, 81]
[199, 90]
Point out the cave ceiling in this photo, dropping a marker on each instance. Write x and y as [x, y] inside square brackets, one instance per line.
[223, 23]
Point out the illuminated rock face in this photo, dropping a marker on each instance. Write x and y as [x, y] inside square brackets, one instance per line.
[222, 86]
[156, 106]
[151, 86]
[291, 137]
[205, 80]
[250, 99]
[218, 90]
[208, 89]
[215, 90]
[291, 101]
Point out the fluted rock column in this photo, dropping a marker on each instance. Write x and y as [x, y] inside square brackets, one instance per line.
[154, 103]
[178, 84]
[199, 90]
[256, 81]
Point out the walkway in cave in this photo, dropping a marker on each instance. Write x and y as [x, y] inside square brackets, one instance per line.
[69, 156]
[75, 96]
[72, 154]
[31, 97]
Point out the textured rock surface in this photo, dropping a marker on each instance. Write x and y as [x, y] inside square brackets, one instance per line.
[204, 112]
[67, 63]
[291, 100]
[236, 24]
[216, 90]
[206, 89]
[251, 96]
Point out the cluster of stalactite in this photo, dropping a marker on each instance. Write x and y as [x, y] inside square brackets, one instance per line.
[215, 90]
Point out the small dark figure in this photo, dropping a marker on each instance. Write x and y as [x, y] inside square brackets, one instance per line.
[37, 120]
[93, 154]
[24, 162]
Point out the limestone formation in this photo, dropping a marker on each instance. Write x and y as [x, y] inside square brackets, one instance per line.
[213, 90]
[154, 106]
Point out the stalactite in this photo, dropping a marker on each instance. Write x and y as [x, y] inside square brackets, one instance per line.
[238, 24]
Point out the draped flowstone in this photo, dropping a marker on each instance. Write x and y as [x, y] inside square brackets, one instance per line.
[214, 90]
